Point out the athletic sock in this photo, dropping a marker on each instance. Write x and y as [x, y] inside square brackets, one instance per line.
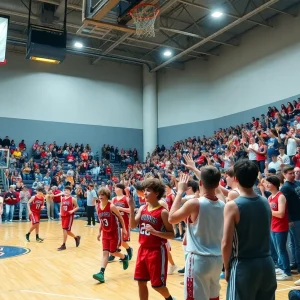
[102, 270]
[37, 236]
[169, 298]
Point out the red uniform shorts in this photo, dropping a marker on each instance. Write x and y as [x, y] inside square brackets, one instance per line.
[111, 241]
[152, 264]
[66, 222]
[35, 217]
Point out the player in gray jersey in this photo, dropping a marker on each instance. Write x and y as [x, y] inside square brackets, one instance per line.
[249, 268]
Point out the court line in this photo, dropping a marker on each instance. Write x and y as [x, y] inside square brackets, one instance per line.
[59, 295]
[290, 288]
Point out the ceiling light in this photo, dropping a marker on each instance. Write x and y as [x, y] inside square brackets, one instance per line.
[167, 53]
[78, 45]
[46, 60]
[217, 14]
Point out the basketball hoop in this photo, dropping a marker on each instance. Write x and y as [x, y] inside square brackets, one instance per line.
[144, 16]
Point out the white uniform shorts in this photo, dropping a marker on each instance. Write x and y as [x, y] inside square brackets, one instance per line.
[201, 277]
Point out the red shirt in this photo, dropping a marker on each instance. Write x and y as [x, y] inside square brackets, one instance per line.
[108, 170]
[84, 156]
[278, 224]
[261, 157]
[154, 219]
[122, 203]
[66, 206]
[70, 157]
[37, 203]
[56, 199]
[296, 160]
[169, 200]
[108, 219]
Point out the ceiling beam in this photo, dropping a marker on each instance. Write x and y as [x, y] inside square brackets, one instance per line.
[195, 35]
[226, 14]
[113, 46]
[216, 34]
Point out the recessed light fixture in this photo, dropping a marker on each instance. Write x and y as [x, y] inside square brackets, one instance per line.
[78, 45]
[167, 53]
[217, 14]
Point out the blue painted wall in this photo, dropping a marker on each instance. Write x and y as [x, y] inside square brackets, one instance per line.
[96, 136]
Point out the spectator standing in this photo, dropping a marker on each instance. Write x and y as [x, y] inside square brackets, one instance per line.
[279, 227]
[24, 198]
[56, 201]
[252, 150]
[91, 203]
[291, 191]
[50, 205]
[10, 200]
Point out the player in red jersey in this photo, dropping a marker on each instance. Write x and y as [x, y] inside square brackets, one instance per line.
[121, 202]
[110, 220]
[34, 205]
[67, 209]
[152, 259]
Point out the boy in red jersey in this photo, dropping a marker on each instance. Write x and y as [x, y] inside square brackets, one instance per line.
[34, 205]
[121, 202]
[152, 259]
[109, 218]
[67, 209]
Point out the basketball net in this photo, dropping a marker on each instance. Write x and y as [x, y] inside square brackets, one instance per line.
[144, 16]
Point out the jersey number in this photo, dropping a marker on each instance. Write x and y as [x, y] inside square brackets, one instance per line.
[38, 206]
[65, 208]
[105, 222]
[143, 229]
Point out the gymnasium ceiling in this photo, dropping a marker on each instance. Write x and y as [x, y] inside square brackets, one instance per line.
[185, 26]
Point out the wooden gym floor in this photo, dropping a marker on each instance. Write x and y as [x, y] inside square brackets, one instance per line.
[47, 274]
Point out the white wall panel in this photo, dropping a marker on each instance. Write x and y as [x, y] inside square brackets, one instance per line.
[108, 94]
[265, 68]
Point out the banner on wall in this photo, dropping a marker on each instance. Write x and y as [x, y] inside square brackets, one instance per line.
[3, 37]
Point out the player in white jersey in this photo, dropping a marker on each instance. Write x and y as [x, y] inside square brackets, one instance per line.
[192, 192]
[204, 234]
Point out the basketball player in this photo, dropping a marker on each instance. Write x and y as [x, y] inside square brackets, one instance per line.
[170, 196]
[34, 206]
[152, 260]
[121, 203]
[192, 192]
[109, 218]
[204, 234]
[249, 268]
[67, 209]
[233, 184]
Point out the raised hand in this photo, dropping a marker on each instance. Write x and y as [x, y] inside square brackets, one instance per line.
[189, 163]
[182, 184]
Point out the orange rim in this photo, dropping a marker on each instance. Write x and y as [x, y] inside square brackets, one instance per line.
[132, 12]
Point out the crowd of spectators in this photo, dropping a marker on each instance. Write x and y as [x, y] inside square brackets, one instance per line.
[271, 141]
[53, 167]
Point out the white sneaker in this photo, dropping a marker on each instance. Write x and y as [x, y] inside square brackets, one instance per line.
[284, 277]
[172, 269]
[297, 282]
[20, 219]
[278, 271]
[87, 225]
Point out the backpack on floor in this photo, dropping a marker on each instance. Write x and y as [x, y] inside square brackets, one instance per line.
[294, 295]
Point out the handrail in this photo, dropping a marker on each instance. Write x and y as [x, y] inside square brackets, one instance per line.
[4, 180]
